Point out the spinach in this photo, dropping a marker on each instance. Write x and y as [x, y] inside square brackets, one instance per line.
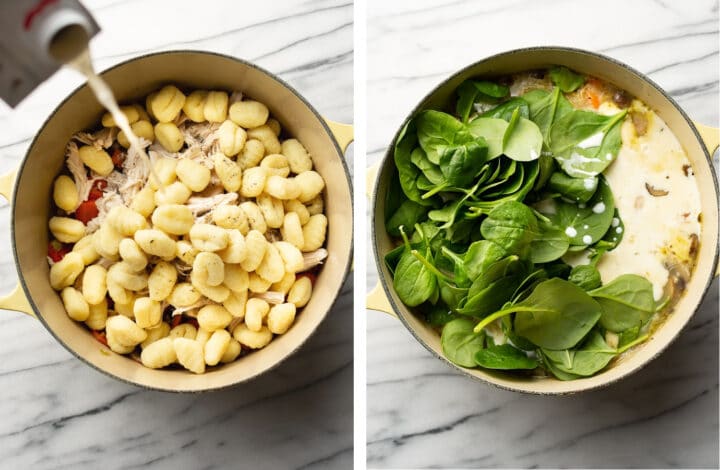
[480, 255]
[407, 172]
[585, 276]
[549, 245]
[436, 131]
[525, 140]
[429, 170]
[627, 301]
[573, 189]
[587, 360]
[565, 79]
[459, 342]
[493, 288]
[408, 214]
[437, 315]
[492, 131]
[504, 357]
[546, 107]
[459, 163]
[505, 110]
[513, 226]
[551, 361]
[414, 283]
[586, 225]
[471, 91]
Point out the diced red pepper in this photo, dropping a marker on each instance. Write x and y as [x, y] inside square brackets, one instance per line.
[86, 211]
[100, 336]
[193, 322]
[57, 251]
[97, 190]
[117, 157]
[176, 319]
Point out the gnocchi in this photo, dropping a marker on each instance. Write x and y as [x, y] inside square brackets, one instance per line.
[198, 262]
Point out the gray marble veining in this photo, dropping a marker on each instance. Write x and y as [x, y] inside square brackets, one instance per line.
[422, 414]
[56, 412]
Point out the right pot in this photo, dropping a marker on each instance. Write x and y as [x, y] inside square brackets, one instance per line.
[697, 140]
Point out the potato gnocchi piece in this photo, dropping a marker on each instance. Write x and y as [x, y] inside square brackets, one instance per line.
[186, 252]
[209, 267]
[235, 303]
[252, 339]
[96, 159]
[98, 316]
[64, 272]
[255, 312]
[131, 114]
[272, 210]
[274, 125]
[255, 217]
[236, 278]
[125, 221]
[272, 267]
[214, 293]
[127, 308]
[276, 164]
[253, 181]
[229, 172]
[314, 232]
[156, 334]
[190, 354]
[66, 230]
[75, 304]
[192, 174]
[123, 275]
[142, 129]
[251, 154]
[216, 106]
[231, 217]
[297, 156]
[106, 241]
[65, 194]
[131, 253]
[183, 294]
[174, 193]
[203, 336]
[213, 317]
[300, 292]
[280, 318]
[206, 237]
[216, 346]
[85, 248]
[249, 113]
[283, 285]
[183, 330]
[144, 201]
[255, 245]
[125, 331]
[282, 188]
[311, 185]
[257, 284]
[94, 284]
[293, 205]
[176, 219]
[148, 312]
[166, 103]
[169, 136]
[232, 138]
[161, 281]
[159, 354]
[267, 136]
[156, 243]
[292, 231]
[232, 351]
[164, 169]
[119, 294]
[315, 205]
[194, 106]
[291, 256]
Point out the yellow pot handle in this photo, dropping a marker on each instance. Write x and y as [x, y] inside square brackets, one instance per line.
[709, 135]
[344, 133]
[16, 299]
[377, 300]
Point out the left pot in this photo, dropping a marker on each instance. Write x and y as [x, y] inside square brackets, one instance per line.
[29, 189]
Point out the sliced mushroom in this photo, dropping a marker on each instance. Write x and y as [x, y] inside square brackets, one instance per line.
[640, 122]
[655, 191]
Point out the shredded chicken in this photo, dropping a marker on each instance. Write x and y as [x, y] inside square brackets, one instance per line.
[103, 138]
[204, 134]
[235, 96]
[234, 323]
[202, 205]
[196, 153]
[136, 171]
[77, 170]
[108, 200]
[188, 310]
[313, 258]
[270, 297]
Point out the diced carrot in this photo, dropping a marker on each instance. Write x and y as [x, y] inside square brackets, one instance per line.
[100, 336]
[594, 100]
[86, 211]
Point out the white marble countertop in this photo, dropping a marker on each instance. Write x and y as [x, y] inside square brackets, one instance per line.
[56, 412]
[423, 414]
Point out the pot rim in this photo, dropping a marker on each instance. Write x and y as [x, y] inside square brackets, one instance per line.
[71, 95]
[389, 155]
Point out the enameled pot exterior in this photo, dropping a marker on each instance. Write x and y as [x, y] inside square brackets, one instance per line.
[134, 79]
[643, 88]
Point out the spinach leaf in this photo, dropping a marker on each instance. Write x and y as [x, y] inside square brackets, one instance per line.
[505, 110]
[587, 360]
[504, 357]
[627, 302]
[459, 342]
[550, 244]
[565, 79]
[437, 130]
[628, 336]
[392, 258]
[586, 225]
[492, 130]
[585, 276]
[437, 315]
[431, 171]
[408, 214]
[573, 142]
[513, 226]
[471, 91]
[480, 255]
[557, 315]
[557, 268]
[407, 172]
[460, 163]
[573, 189]
[414, 283]
[612, 237]
[546, 107]
[524, 142]
[494, 287]
[551, 361]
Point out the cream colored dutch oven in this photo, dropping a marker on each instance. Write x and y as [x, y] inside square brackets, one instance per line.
[29, 190]
[697, 140]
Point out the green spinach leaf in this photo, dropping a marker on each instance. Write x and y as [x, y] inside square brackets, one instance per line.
[471, 91]
[492, 131]
[505, 110]
[504, 357]
[550, 244]
[459, 342]
[578, 190]
[408, 214]
[585, 276]
[407, 172]
[524, 142]
[585, 224]
[565, 79]
[513, 226]
[627, 302]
